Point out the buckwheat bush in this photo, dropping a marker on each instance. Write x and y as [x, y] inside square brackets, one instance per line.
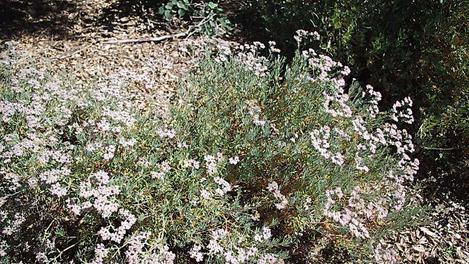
[254, 157]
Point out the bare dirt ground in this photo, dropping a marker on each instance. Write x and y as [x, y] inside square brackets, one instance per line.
[74, 43]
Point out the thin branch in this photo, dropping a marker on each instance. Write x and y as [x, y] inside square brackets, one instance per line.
[199, 25]
[441, 149]
[69, 54]
[192, 30]
[142, 40]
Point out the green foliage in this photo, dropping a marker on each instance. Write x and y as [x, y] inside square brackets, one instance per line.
[254, 156]
[174, 8]
[417, 48]
[213, 20]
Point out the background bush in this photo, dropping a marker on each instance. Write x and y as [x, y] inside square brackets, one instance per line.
[209, 17]
[416, 48]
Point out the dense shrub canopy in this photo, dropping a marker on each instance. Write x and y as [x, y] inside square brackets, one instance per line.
[248, 161]
[416, 48]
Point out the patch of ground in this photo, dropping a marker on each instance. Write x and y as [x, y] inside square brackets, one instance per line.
[67, 19]
[444, 239]
[151, 69]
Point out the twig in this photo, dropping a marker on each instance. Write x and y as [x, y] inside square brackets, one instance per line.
[199, 25]
[187, 34]
[71, 53]
[142, 40]
[441, 149]
[61, 252]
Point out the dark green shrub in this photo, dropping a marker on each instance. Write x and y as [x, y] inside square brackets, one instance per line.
[210, 18]
[401, 47]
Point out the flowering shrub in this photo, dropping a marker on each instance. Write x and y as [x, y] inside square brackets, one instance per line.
[250, 161]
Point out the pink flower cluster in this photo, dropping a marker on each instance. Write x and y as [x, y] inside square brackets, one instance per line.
[128, 221]
[98, 194]
[356, 213]
[336, 104]
[136, 252]
[320, 140]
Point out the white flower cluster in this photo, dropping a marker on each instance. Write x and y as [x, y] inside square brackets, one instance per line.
[355, 213]
[223, 186]
[270, 259]
[128, 221]
[249, 56]
[52, 177]
[274, 189]
[375, 97]
[386, 254]
[302, 34]
[325, 69]
[191, 163]
[402, 140]
[127, 143]
[371, 139]
[233, 160]
[205, 194]
[50, 137]
[163, 169]
[100, 253]
[211, 162]
[273, 48]
[44, 124]
[402, 110]
[13, 226]
[196, 254]
[265, 235]
[255, 112]
[120, 117]
[109, 152]
[213, 245]
[98, 194]
[166, 132]
[237, 255]
[246, 54]
[360, 164]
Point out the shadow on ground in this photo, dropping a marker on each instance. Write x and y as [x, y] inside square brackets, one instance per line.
[59, 18]
[19, 17]
[117, 13]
